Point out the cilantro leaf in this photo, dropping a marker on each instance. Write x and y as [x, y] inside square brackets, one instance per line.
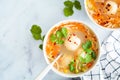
[64, 31]
[59, 34]
[41, 46]
[87, 45]
[36, 32]
[59, 41]
[71, 66]
[82, 60]
[88, 58]
[68, 4]
[77, 5]
[89, 51]
[93, 55]
[68, 11]
[37, 36]
[43, 37]
[53, 38]
[35, 29]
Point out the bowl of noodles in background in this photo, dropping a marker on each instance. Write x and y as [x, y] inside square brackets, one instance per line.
[78, 44]
[104, 13]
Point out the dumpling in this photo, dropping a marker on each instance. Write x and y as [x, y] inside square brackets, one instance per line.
[72, 42]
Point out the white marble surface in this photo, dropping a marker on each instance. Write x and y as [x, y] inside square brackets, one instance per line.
[20, 57]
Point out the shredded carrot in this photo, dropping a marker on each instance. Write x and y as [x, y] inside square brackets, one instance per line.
[56, 50]
[89, 64]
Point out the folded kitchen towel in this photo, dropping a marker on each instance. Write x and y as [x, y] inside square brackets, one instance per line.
[110, 60]
[108, 68]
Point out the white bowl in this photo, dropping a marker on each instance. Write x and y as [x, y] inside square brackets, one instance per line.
[110, 29]
[55, 70]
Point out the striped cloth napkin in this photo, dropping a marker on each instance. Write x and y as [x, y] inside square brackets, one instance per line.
[108, 67]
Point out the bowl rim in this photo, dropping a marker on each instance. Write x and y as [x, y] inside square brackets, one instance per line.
[70, 75]
[90, 17]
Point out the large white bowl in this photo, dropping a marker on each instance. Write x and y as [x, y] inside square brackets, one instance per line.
[55, 70]
[110, 29]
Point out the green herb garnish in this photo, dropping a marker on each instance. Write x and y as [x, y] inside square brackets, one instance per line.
[71, 66]
[68, 9]
[53, 38]
[77, 5]
[68, 4]
[89, 51]
[41, 46]
[59, 41]
[87, 45]
[64, 31]
[82, 60]
[88, 58]
[90, 54]
[43, 37]
[37, 34]
[93, 54]
[59, 35]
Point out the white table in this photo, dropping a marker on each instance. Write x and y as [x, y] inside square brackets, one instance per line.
[20, 56]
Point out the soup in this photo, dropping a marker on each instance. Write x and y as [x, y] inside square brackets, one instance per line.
[78, 45]
[105, 12]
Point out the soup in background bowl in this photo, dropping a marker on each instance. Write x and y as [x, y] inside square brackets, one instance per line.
[104, 13]
[78, 45]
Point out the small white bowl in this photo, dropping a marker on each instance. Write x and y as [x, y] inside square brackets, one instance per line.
[55, 70]
[110, 29]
